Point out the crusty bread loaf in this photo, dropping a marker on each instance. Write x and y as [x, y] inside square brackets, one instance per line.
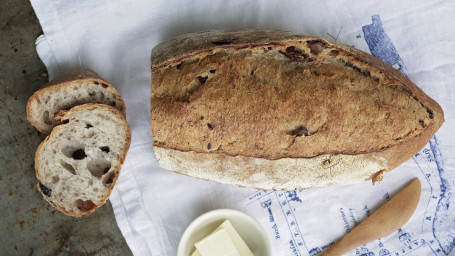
[70, 89]
[79, 162]
[277, 110]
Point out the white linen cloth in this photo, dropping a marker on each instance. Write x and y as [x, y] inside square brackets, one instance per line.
[154, 206]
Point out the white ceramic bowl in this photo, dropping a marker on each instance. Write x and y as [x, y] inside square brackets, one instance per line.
[248, 228]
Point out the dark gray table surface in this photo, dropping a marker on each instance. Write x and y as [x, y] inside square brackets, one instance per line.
[29, 225]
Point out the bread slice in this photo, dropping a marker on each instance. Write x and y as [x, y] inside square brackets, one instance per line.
[79, 162]
[70, 89]
[278, 110]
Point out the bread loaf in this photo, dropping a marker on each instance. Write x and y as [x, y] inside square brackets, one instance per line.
[78, 164]
[74, 88]
[277, 110]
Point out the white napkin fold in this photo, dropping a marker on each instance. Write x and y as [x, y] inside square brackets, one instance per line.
[153, 206]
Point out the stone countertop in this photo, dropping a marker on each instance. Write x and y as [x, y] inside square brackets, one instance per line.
[30, 225]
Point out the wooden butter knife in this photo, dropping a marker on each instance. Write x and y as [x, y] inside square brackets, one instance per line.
[387, 219]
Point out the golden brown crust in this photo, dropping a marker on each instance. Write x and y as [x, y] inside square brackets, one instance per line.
[61, 116]
[64, 80]
[243, 96]
[200, 43]
[76, 74]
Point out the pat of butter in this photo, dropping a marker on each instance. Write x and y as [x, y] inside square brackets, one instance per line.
[217, 244]
[234, 238]
[196, 253]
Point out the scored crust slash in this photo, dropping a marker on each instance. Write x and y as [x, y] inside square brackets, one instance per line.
[278, 110]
